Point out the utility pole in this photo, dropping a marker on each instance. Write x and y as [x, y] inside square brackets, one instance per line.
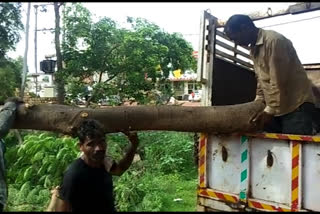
[35, 46]
[59, 80]
[25, 65]
[42, 9]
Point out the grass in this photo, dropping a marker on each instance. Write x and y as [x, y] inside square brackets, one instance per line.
[182, 189]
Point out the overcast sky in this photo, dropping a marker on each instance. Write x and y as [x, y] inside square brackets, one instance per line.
[185, 19]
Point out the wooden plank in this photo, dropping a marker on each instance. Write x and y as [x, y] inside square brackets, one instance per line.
[226, 46]
[239, 65]
[304, 7]
[219, 33]
[234, 59]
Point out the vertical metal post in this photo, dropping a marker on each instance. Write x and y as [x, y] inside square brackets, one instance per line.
[25, 58]
[35, 46]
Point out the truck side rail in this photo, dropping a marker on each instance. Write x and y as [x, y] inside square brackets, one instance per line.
[302, 138]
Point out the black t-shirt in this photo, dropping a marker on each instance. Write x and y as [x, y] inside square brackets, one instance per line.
[87, 189]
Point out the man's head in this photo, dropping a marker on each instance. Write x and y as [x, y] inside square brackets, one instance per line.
[92, 141]
[241, 30]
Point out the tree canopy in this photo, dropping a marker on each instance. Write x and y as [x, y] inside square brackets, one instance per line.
[10, 26]
[10, 78]
[132, 62]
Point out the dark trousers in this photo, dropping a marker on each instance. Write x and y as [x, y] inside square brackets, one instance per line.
[305, 120]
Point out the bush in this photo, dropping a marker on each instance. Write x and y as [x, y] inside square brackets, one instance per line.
[166, 171]
[35, 167]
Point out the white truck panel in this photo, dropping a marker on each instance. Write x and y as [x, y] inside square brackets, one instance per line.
[311, 176]
[224, 175]
[270, 183]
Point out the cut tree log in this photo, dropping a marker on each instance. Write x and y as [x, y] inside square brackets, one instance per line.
[65, 119]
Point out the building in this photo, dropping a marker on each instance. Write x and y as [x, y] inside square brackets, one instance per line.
[40, 84]
[184, 84]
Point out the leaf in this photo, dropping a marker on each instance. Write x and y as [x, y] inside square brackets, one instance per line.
[38, 156]
[47, 182]
[27, 174]
[61, 153]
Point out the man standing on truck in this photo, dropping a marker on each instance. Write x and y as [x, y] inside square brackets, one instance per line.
[282, 82]
[87, 183]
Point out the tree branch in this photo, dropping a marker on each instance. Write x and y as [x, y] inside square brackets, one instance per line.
[111, 78]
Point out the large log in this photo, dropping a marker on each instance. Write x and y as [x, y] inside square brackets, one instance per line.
[64, 119]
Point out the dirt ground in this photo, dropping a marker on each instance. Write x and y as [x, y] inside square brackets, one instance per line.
[187, 103]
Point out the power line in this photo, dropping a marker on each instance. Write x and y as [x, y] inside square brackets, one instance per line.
[292, 22]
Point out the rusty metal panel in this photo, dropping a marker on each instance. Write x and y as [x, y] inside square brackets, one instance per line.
[311, 177]
[223, 163]
[271, 170]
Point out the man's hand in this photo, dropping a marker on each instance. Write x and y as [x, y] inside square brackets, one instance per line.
[133, 137]
[55, 192]
[119, 168]
[57, 204]
[54, 199]
[260, 119]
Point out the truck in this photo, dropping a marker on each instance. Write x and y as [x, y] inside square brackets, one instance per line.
[251, 171]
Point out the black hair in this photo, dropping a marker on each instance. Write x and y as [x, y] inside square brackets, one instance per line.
[235, 22]
[89, 128]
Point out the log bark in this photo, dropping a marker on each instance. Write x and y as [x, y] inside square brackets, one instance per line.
[65, 119]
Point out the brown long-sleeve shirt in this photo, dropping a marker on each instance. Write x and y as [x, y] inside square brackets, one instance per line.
[282, 80]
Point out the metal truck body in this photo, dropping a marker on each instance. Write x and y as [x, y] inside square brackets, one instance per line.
[250, 171]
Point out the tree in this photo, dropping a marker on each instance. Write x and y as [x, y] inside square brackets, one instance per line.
[59, 79]
[134, 62]
[10, 77]
[65, 119]
[10, 26]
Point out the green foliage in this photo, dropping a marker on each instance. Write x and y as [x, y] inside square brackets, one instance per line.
[132, 63]
[10, 26]
[10, 77]
[165, 172]
[37, 166]
[154, 191]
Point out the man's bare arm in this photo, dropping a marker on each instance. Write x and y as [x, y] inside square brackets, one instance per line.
[57, 204]
[126, 161]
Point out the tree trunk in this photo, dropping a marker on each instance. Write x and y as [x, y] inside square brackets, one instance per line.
[59, 79]
[64, 119]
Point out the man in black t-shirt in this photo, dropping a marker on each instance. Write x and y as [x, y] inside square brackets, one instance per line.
[87, 183]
